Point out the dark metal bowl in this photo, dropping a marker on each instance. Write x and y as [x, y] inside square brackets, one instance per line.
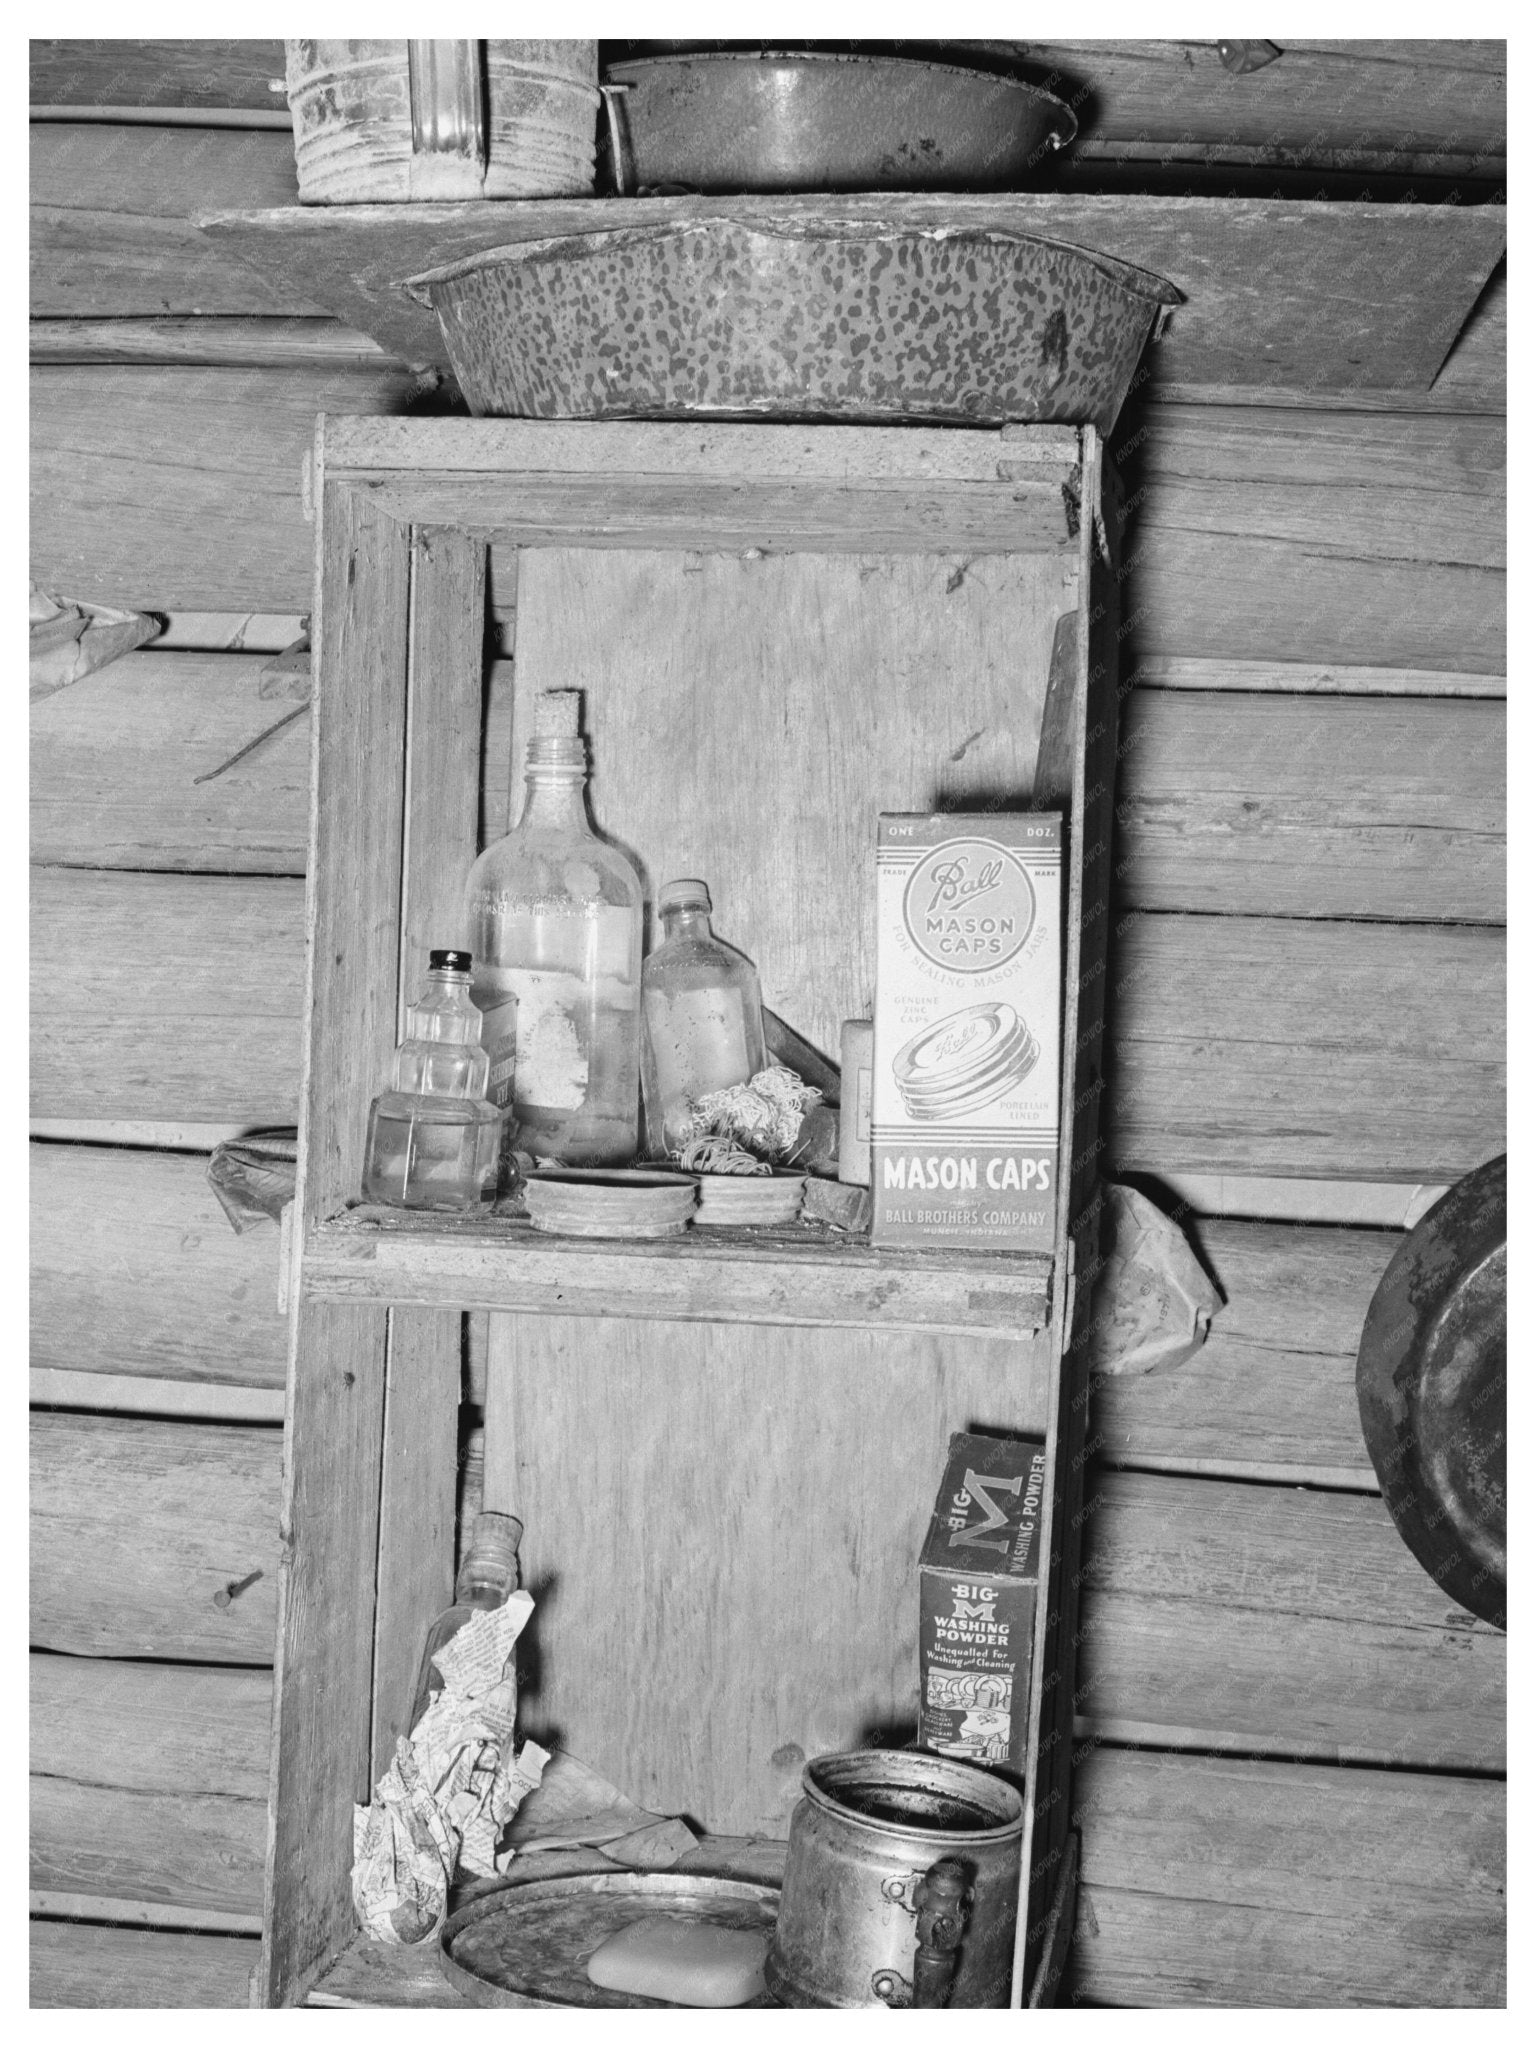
[748, 121]
[845, 321]
[1431, 1385]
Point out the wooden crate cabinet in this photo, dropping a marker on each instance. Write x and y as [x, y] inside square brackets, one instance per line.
[724, 1448]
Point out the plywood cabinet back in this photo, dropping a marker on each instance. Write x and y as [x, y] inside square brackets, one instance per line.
[752, 714]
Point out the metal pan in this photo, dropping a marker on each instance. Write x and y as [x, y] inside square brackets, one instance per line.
[1430, 1379]
[527, 1942]
[777, 121]
[813, 320]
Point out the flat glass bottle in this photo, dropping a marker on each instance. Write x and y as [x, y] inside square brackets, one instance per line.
[555, 917]
[433, 1138]
[703, 1015]
[487, 1578]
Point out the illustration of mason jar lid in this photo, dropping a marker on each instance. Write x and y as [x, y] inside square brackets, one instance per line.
[964, 1061]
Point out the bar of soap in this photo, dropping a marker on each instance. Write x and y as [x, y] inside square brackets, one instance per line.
[683, 1960]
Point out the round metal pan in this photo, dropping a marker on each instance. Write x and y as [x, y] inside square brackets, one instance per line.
[527, 1943]
[778, 121]
[1430, 1379]
[827, 319]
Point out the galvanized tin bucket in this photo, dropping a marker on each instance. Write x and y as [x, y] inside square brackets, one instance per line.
[389, 121]
[870, 1834]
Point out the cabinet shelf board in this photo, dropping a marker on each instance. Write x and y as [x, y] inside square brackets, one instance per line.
[804, 1275]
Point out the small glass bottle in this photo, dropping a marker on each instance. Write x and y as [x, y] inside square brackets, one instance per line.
[703, 1016]
[433, 1138]
[555, 917]
[487, 1578]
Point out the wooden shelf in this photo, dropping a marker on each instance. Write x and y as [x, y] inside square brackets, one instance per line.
[807, 1275]
[1294, 294]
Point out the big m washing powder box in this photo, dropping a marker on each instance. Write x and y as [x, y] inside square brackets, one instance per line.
[980, 1572]
[967, 1058]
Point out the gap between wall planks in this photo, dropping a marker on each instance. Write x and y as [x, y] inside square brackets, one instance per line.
[149, 1787]
[76, 1965]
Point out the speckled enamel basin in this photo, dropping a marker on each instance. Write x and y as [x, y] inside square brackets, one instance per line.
[716, 319]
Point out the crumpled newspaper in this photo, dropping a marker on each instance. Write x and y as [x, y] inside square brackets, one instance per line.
[445, 1802]
[762, 1115]
[1153, 1301]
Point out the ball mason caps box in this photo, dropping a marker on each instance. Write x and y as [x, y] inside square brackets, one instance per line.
[967, 1063]
[979, 1572]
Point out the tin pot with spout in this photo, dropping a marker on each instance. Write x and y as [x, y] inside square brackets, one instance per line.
[901, 1884]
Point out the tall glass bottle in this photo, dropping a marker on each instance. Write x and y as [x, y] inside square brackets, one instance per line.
[487, 1578]
[555, 917]
[703, 1016]
[433, 1138]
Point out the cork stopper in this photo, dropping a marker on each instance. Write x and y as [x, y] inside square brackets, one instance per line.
[557, 714]
[557, 740]
[687, 894]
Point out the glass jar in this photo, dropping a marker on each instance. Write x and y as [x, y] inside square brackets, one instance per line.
[433, 1138]
[703, 1016]
[555, 917]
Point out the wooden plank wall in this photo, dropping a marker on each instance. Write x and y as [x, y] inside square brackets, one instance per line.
[1290, 1744]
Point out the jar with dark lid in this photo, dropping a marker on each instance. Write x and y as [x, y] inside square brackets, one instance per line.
[433, 1137]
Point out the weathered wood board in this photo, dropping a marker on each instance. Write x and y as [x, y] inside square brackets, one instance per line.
[1208, 1881]
[1228, 798]
[184, 486]
[184, 996]
[129, 767]
[1312, 806]
[124, 71]
[1292, 1046]
[1241, 1039]
[113, 219]
[1273, 1621]
[1357, 486]
[75, 1964]
[700, 1655]
[1271, 1393]
[136, 1272]
[1420, 106]
[196, 505]
[141, 1528]
[212, 341]
[151, 1728]
[149, 1784]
